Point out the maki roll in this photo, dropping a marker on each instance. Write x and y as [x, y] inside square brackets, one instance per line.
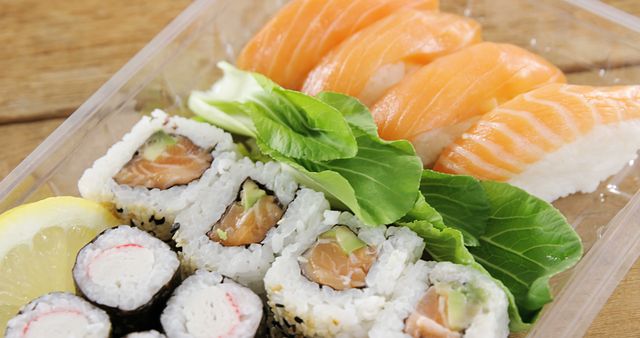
[156, 169]
[129, 273]
[242, 222]
[146, 334]
[59, 315]
[444, 300]
[334, 284]
[208, 304]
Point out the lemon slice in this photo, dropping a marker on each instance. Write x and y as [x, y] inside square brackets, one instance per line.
[38, 246]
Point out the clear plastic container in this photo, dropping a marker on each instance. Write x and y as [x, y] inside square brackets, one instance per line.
[592, 42]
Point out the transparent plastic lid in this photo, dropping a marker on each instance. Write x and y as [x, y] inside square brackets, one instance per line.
[593, 43]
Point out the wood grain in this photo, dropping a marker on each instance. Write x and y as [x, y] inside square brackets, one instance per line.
[620, 316]
[19, 139]
[631, 6]
[56, 53]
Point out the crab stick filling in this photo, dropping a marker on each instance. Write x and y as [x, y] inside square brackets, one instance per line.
[339, 259]
[249, 219]
[123, 265]
[58, 323]
[214, 311]
[164, 161]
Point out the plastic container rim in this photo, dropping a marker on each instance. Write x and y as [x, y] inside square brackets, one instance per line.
[99, 98]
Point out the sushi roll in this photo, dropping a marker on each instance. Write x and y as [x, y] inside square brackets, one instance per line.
[334, 284]
[129, 273]
[208, 304]
[59, 315]
[303, 31]
[379, 56]
[146, 334]
[437, 103]
[155, 170]
[241, 223]
[444, 300]
[539, 140]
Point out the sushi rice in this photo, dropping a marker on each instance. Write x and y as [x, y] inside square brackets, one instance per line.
[247, 264]
[492, 320]
[127, 273]
[539, 140]
[59, 315]
[153, 209]
[207, 303]
[146, 334]
[612, 147]
[302, 307]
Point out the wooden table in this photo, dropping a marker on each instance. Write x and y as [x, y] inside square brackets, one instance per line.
[56, 53]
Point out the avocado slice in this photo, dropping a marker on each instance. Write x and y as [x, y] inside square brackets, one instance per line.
[463, 303]
[329, 234]
[346, 239]
[222, 234]
[457, 312]
[250, 194]
[156, 145]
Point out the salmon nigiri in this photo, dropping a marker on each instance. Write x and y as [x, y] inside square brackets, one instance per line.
[301, 33]
[434, 105]
[379, 56]
[552, 141]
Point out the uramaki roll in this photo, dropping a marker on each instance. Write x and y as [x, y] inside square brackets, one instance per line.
[335, 285]
[156, 169]
[444, 300]
[241, 223]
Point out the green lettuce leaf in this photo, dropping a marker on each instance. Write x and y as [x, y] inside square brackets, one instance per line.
[300, 126]
[422, 211]
[250, 149]
[526, 242]
[294, 124]
[446, 245]
[330, 142]
[356, 114]
[222, 104]
[516, 324]
[381, 174]
[460, 200]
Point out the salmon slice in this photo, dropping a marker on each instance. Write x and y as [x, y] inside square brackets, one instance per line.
[239, 227]
[552, 141]
[326, 263]
[429, 319]
[434, 105]
[178, 163]
[301, 33]
[379, 56]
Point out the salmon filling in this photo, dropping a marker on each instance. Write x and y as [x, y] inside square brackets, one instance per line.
[339, 259]
[164, 161]
[247, 220]
[441, 313]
